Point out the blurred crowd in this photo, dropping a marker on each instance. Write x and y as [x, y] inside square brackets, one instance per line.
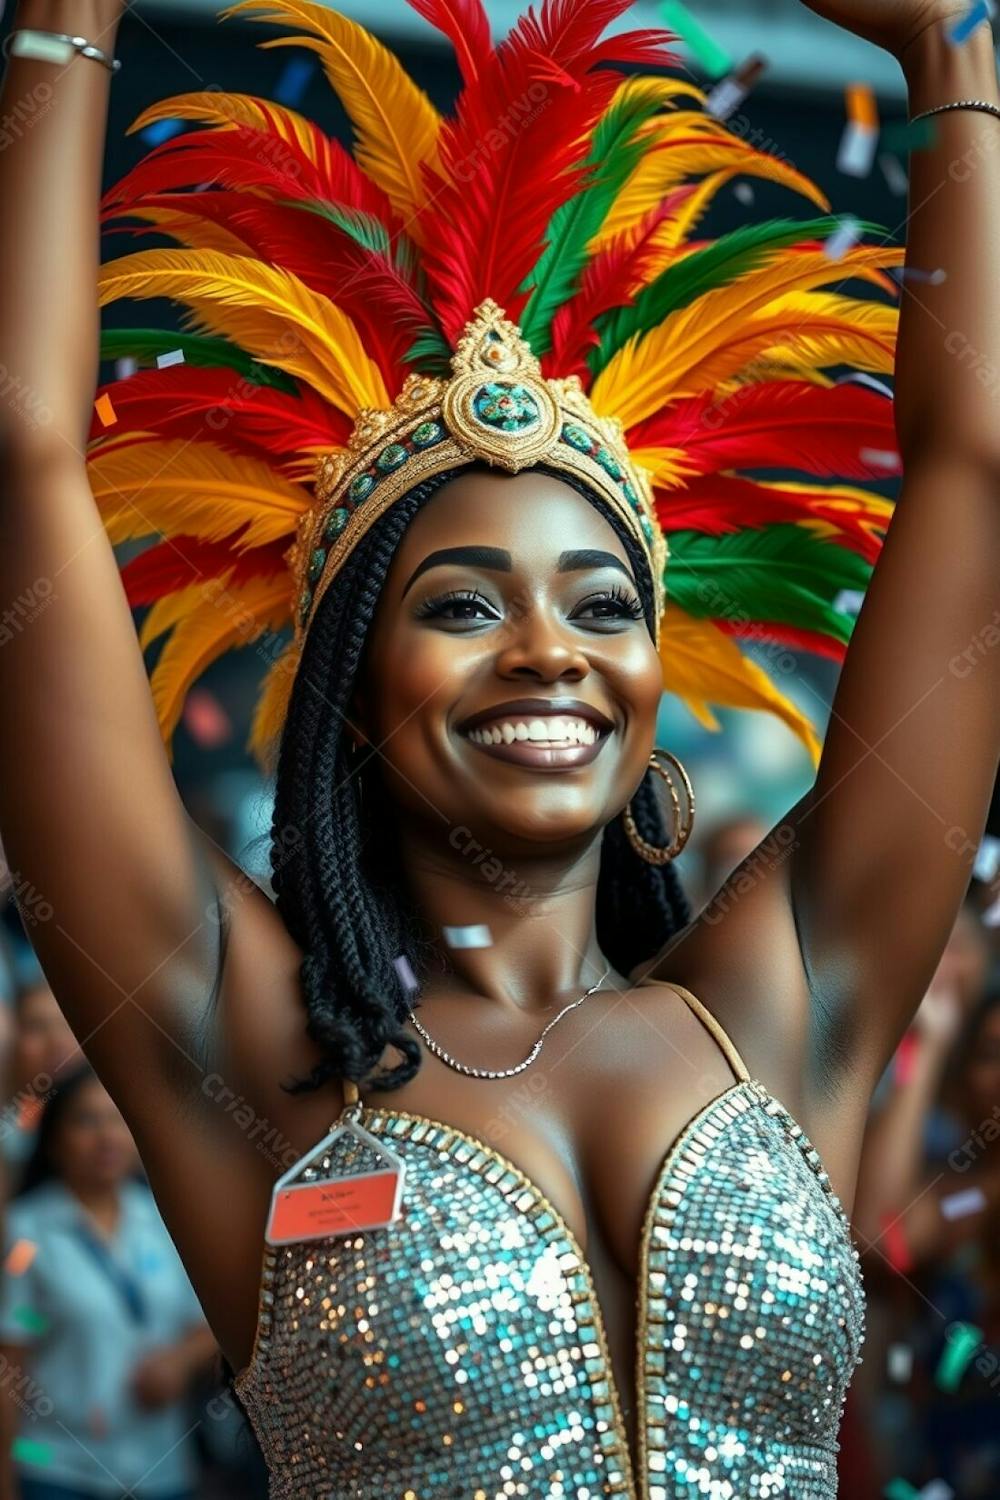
[111, 1383]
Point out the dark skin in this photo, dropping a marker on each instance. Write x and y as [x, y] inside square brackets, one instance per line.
[815, 971]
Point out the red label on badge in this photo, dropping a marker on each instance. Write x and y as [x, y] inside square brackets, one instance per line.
[316, 1209]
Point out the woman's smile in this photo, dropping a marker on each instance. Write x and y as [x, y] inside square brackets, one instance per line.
[545, 734]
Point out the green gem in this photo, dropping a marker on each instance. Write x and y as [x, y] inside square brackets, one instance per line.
[505, 407]
[391, 457]
[360, 487]
[577, 437]
[316, 560]
[427, 434]
[630, 494]
[609, 463]
[335, 523]
[647, 528]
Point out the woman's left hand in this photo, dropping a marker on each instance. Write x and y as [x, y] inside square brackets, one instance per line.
[892, 24]
[161, 1377]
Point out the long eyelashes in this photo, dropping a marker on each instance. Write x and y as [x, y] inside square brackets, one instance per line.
[462, 604]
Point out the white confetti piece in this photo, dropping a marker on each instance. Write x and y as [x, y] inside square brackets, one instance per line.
[743, 193]
[849, 601]
[125, 367]
[847, 233]
[938, 1489]
[881, 458]
[987, 859]
[175, 357]
[894, 174]
[960, 1205]
[859, 377]
[899, 1362]
[407, 978]
[857, 149]
[475, 936]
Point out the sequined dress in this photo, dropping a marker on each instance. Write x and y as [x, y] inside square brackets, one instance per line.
[460, 1352]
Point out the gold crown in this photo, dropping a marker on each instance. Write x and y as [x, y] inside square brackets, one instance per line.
[497, 407]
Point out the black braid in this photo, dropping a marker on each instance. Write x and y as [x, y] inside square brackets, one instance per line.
[334, 870]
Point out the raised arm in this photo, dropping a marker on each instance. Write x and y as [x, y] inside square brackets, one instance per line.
[886, 839]
[109, 872]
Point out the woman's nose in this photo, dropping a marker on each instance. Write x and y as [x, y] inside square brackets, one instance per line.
[539, 646]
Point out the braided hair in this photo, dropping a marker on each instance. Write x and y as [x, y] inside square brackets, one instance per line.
[334, 873]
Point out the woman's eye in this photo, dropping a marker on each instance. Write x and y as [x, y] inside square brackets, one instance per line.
[458, 606]
[616, 604]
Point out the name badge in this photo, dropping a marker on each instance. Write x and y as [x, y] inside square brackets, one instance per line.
[314, 1200]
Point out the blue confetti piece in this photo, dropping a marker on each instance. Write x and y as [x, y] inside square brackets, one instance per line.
[294, 81]
[162, 130]
[963, 29]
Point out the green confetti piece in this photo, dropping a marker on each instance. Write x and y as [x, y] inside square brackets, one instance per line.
[713, 58]
[30, 1452]
[900, 1489]
[30, 1319]
[963, 1341]
[902, 136]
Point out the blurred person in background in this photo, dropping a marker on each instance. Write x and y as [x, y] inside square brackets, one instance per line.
[101, 1336]
[40, 1049]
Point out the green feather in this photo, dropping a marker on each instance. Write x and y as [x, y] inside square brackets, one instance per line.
[783, 572]
[144, 344]
[718, 264]
[366, 230]
[615, 151]
[430, 354]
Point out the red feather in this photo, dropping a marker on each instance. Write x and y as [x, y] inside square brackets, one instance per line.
[785, 635]
[780, 424]
[221, 406]
[513, 153]
[466, 25]
[184, 560]
[718, 503]
[605, 284]
[242, 159]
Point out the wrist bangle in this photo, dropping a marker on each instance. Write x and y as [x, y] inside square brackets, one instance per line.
[941, 109]
[55, 46]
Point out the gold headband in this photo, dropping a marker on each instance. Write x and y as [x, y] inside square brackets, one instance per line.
[498, 408]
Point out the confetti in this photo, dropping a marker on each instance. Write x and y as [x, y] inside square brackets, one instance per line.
[105, 411]
[902, 136]
[206, 720]
[161, 130]
[960, 1205]
[175, 357]
[860, 139]
[743, 192]
[987, 861]
[294, 81]
[914, 273]
[468, 937]
[713, 58]
[407, 978]
[938, 1489]
[41, 46]
[963, 1341]
[881, 458]
[899, 1362]
[859, 377]
[981, 11]
[125, 367]
[894, 174]
[31, 1452]
[730, 93]
[896, 1249]
[849, 601]
[22, 1253]
[900, 1489]
[847, 233]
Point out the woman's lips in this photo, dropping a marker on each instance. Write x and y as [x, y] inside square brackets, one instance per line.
[541, 754]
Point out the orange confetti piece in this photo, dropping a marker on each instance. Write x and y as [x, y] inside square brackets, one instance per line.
[861, 106]
[22, 1253]
[105, 410]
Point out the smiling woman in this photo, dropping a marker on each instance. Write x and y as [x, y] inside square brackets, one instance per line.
[495, 418]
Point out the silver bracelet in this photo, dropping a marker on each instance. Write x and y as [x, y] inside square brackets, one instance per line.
[55, 46]
[941, 109]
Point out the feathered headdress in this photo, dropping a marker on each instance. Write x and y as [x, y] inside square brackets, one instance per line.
[519, 281]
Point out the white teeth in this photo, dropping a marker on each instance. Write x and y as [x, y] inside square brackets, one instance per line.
[554, 731]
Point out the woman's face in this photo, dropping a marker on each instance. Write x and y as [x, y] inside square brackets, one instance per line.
[982, 1089]
[94, 1147]
[510, 613]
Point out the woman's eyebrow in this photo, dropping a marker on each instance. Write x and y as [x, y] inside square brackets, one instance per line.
[500, 561]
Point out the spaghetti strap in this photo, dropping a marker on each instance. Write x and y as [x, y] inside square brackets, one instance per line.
[704, 1015]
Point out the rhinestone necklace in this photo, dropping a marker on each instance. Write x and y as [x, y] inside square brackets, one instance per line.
[505, 1072]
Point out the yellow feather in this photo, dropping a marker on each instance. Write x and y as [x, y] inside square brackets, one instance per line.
[229, 111]
[207, 631]
[178, 487]
[668, 467]
[703, 665]
[396, 125]
[699, 345]
[193, 231]
[164, 613]
[272, 708]
[667, 164]
[268, 311]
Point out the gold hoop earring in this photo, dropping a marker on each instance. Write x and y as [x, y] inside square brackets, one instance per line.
[651, 853]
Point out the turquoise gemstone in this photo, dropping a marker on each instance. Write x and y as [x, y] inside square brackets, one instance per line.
[508, 408]
[609, 463]
[577, 437]
[335, 523]
[390, 458]
[630, 494]
[427, 434]
[360, 487]
[647, 528]
[316, 561]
